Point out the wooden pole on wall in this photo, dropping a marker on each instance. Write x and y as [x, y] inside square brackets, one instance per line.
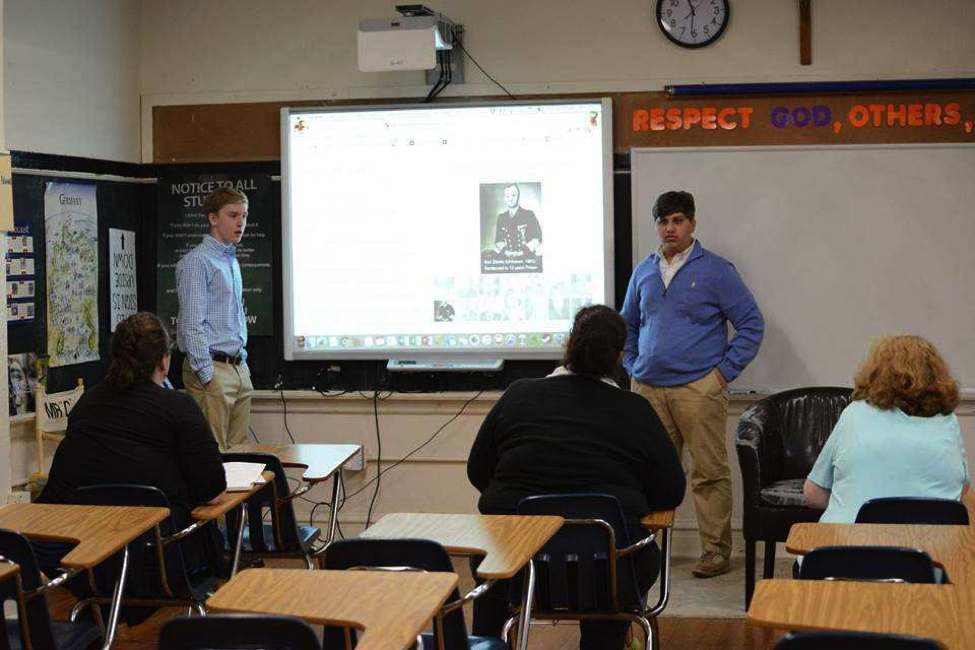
[805, 32]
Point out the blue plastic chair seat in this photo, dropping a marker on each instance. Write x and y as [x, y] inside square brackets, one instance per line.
[307, 536]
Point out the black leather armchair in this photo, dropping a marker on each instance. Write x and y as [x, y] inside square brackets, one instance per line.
[778, 440]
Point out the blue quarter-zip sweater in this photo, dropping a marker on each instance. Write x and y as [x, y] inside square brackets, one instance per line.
[678, 334]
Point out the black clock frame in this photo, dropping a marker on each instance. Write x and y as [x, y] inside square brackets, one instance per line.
[693, 46]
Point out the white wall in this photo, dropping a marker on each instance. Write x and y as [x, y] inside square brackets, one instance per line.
[71, 82]
[226, 50]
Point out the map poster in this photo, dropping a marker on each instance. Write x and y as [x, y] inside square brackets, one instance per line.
[182, 225]
[71, 226]
[121, 275]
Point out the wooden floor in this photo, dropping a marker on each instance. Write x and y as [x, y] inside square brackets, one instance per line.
[675, 633]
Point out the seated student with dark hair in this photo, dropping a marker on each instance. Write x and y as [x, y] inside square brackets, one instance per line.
[130, 429]
[899, 437]
[576, 431]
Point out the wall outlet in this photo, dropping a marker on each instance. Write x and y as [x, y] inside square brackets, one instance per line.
[357, 463]
[20, 496]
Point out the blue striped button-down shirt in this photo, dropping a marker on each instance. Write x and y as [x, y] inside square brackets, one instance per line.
[211, 307]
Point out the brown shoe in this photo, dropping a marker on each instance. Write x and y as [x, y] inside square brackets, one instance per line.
[711, 565]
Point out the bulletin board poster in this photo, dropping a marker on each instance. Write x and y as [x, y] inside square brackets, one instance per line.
[21, 273]
[71, 226]
[182, 226]
[123, 295]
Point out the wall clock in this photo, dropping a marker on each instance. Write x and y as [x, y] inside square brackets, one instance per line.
[692, 23]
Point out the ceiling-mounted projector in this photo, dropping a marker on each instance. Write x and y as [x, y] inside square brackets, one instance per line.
[406, 43]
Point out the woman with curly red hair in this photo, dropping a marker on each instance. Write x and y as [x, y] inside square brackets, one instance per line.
[899, 437]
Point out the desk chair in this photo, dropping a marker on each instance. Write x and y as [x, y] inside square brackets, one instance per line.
[853, 641]
[586, 571]
[50, 421]
[778, 441]
[283, 537]
[450, 631]
[159, 576]
[913, 510]
[35, 624]
[872, 563]
[244, 632]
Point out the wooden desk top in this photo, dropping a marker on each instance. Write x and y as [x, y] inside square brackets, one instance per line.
[98, 531]
[940, 612]
[8, 570]
[951, 547]
[319, 460]
[232, 499]
[391, 608]
[507, 541]
[659, 519]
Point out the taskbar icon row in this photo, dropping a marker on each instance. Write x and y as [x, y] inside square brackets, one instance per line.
[394, 341]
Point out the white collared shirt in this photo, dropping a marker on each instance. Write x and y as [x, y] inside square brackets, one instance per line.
[668, 270]
[562, 370]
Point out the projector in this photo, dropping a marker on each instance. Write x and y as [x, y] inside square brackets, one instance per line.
[407, 43]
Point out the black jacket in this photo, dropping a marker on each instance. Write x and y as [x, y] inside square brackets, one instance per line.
[569, 434]
[143, 435]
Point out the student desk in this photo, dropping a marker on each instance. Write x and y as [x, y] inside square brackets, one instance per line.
[951, 547]
[320, 462]
[205, 513]
[98, 531]
[940, 612]
[508, 542]
[391, 607]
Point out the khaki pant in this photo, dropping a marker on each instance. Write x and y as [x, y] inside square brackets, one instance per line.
[225, 401]
[695, 415]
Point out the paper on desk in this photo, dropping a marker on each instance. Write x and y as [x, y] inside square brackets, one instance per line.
[241, 476]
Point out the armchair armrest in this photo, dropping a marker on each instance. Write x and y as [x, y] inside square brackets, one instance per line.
[758, 441]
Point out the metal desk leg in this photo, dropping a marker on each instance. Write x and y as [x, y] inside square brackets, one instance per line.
[527, 595]
[664, 579]
[334, 510]
[240, 539]
[116, 601]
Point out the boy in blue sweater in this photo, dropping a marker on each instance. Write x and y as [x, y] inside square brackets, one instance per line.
[677, 307]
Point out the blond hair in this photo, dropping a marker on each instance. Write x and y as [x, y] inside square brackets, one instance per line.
[220, 197]
[908, 373]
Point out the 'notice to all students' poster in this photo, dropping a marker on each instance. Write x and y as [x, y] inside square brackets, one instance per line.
[182, 225]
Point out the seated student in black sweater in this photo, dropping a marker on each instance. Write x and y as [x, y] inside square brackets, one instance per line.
[129, 429]
[576, 431]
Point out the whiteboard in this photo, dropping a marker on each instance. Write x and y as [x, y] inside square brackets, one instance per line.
[838, 244]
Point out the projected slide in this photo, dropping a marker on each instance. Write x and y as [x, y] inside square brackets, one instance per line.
[458, 230]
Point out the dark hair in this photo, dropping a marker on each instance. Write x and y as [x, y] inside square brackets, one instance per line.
[138, 346]
[595, 342]
[670, 203]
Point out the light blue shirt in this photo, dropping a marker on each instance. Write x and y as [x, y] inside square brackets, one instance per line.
[211, 306]
[873, 453]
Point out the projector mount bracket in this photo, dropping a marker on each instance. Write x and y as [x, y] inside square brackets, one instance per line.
[450, 63]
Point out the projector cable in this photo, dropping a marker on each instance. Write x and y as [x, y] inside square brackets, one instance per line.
[496, 83]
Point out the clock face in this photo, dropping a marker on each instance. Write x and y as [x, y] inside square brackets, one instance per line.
[692, 23]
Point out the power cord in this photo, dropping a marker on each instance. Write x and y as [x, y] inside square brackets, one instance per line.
[284, 408]
[407, 456]
[379, 455]
[496, 83]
